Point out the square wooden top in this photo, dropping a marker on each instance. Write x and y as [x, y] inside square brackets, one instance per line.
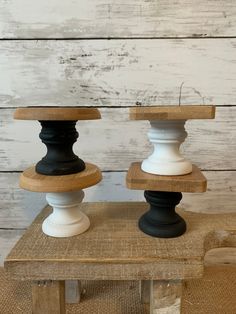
[56, 113]
[172, 112]
[194, 182]
[115, 249]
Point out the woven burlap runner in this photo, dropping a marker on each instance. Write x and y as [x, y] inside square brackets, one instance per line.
[214, 294]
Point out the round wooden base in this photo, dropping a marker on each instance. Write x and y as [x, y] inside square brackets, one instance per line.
[66, 220]
[161, 220]
[35, 182]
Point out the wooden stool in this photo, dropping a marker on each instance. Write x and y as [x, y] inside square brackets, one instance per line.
[115, 249]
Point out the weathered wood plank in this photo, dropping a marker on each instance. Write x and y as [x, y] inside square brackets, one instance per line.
[119, 141]
[16, 210]
[118, 72]
[106, 18]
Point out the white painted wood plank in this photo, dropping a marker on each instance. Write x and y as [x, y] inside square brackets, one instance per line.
[8, 239]
[117, 141]
[117, 72]
[123, 18]
[18, 207]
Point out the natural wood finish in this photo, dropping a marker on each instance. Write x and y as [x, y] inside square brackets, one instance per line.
[118, 72]
[126, 18]
[193, 182]
[115, 133]
[172, 112]
[55, 113]
[16, 210]
[33, 181]
[114, 248]
[166, 296]
[48, 297]
[210, 294]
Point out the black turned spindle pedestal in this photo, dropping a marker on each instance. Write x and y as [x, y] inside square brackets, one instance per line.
[59, 137]
[58, 134]
[163, 193]
[161, 220]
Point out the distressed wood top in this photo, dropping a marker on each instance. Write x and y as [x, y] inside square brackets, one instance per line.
[193, 182]
[114, 247]
[56, 113]
[123, 18]
[33, 181]
[172, 112]
[105, 73]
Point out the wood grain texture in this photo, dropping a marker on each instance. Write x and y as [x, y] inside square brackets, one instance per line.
[35, 182]
[118, 72]
[117, 141]
[172, 112]
[48, 297]
[118, 249]
[194, 182]
[16, 210]
[54, 113]
[101, 18]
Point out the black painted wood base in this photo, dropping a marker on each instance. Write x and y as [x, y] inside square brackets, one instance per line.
[59, 137]
[161, 220]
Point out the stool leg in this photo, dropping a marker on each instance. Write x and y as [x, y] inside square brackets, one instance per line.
[48, 297]
[165, 297]
[73, 291]
[144, 288]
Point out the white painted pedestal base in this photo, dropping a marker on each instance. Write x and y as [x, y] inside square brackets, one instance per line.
[167, 136]
[66, 220]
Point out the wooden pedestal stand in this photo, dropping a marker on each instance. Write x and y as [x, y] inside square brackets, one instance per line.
[167, 133]
[64, 194]
[163, 194]
[166, 173]
[61, 174]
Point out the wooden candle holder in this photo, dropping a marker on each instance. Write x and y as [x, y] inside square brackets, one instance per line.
[58, 134]
[64, 194]
[167, 133]
[163, 194]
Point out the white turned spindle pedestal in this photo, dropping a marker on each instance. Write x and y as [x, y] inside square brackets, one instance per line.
[66, 219]
[65, 194]
[167, 136]
[167, 133]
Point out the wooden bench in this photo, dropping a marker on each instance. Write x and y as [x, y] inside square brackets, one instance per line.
[115, 249]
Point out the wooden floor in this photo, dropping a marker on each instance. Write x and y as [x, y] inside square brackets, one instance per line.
[215, 293]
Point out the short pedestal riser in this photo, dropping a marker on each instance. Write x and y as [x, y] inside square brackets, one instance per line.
[66, 219]
[59, 137]
[167, 136]
[161, 220]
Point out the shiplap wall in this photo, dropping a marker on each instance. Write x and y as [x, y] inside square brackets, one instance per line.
[116, 54]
